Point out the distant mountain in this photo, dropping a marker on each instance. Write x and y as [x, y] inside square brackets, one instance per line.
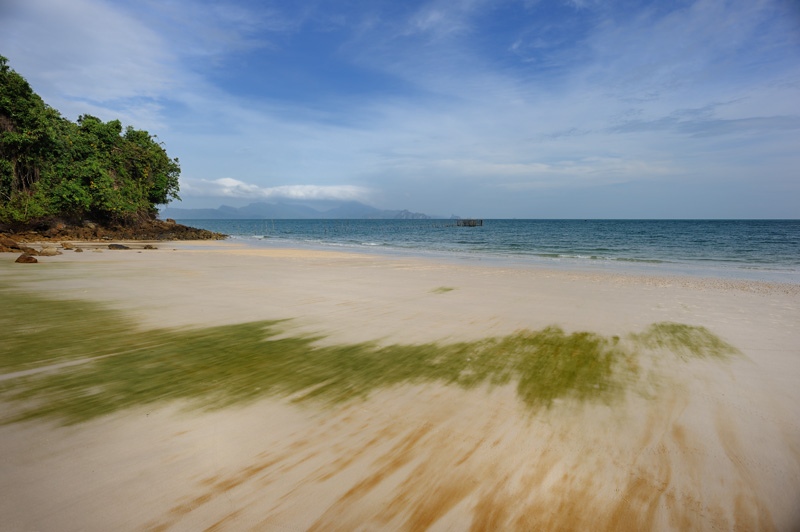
[285, 211]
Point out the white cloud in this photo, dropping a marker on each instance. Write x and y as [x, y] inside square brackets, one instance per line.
[233, 188]
[94, 51]
[601, 103]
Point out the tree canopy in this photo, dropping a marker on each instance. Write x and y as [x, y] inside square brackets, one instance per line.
[53, 167]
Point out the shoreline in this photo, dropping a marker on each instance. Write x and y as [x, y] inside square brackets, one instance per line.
[761, 273]
[585, 264]
[613, 272]
[694, 443]
[749, 249]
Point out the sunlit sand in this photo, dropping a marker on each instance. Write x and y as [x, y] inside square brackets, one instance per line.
[686, 418]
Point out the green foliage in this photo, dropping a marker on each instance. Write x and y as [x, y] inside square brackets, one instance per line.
[126, 366]
[50, 166]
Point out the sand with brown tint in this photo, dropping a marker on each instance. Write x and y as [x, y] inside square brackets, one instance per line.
[694, 445]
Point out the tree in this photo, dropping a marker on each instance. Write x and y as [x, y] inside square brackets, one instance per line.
[50, 166]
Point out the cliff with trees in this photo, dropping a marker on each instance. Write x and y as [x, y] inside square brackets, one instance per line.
[91, 171]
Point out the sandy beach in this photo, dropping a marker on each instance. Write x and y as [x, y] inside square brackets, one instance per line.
[688, 443]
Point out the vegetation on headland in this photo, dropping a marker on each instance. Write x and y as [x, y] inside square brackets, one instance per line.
[220, 366]
[51, 167]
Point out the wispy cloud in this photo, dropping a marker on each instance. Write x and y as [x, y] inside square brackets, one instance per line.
[90, 50]
[714, 127]
[233, 188]
[259, 101]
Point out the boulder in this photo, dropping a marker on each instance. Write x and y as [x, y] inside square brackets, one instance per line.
[78, 250]
[66, 245]
[29, 251]
[9, 243]
[26, 258]
[148, 246]
[49, 251]
[117, 246]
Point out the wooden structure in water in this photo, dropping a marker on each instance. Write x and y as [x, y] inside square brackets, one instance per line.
[469, 222]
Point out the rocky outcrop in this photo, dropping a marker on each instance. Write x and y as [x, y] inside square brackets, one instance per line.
[58, 231]
[8, 245]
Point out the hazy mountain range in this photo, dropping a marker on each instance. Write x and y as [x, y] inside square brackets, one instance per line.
[283, 211]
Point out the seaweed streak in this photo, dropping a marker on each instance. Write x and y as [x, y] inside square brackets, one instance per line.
[121, 366]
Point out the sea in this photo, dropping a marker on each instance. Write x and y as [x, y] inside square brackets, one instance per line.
[763, 250]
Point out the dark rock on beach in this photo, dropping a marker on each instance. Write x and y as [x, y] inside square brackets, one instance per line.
[26, 258]
[8, 244]
[29, 251]
[118, 246]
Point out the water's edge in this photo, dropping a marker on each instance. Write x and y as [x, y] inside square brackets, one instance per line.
[763, 250]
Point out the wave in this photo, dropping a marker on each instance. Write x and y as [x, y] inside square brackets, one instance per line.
[599, 258]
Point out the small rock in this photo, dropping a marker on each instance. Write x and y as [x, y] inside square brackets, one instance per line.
[148, 246]
[26, 258]
[29, 251]
[78, 250]
[117, 246]
[66, 245]
[90, 225]
[48, 251]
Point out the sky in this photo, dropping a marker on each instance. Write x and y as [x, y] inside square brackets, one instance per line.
[492, 109]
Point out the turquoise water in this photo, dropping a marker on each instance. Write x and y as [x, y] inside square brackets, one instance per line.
[748, 249]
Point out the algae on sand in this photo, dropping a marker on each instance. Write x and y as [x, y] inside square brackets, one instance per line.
[219, 366]
[684, 340]
[442, 290]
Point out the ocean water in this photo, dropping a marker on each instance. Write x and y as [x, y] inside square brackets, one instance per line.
[766, 250]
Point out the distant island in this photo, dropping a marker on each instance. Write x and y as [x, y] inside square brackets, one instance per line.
[289, 210]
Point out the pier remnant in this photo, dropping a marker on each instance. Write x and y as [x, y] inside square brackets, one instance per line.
[469, 222]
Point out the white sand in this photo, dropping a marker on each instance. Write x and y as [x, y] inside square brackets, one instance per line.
[714, 446]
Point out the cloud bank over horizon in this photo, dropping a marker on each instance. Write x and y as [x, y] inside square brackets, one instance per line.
[495, 109]
[228, 187]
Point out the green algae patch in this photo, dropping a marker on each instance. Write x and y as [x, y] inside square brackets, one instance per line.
[685, 341]
[37, 331]
[442, 290]
[122, 366]
[580, 365]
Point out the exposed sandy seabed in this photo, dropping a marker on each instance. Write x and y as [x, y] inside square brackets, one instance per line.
[711, 445]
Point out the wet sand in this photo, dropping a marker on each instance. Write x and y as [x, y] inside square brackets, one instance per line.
[694, 445]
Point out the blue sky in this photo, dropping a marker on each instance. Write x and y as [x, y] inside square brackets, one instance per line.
[506, 108]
